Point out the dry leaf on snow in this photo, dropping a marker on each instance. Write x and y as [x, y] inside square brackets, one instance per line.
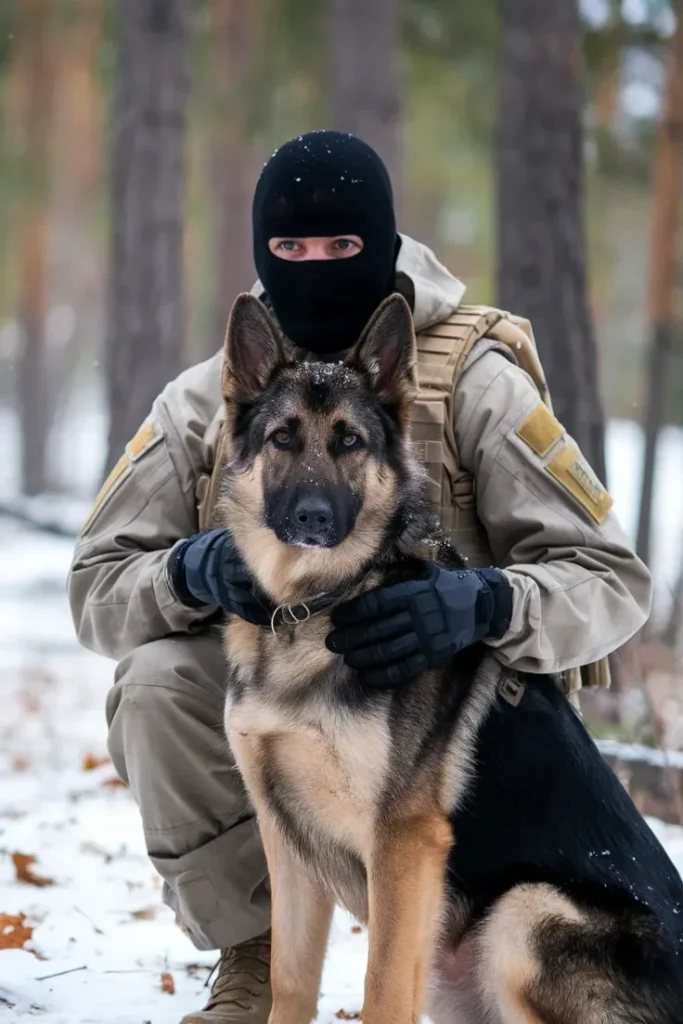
[356, 929]
[91, 762]
[23, 867]
[144, 914]
[13, 932]
[30, 703]
[167, 983]
[348, 1015]
[115, 783]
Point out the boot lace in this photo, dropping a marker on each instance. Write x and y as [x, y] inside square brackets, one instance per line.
[240, 974]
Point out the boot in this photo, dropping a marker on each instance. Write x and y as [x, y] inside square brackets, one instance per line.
[241, 991]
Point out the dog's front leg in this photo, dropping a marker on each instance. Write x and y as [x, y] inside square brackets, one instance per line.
[301, 918]
[405, 886]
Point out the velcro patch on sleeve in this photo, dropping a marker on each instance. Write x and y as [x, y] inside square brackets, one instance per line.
[572, 471]
[540, 430]
[146, 437]
[106, 488]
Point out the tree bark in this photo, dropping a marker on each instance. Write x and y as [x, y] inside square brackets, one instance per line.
[542, 252]
[364, 50]
[668, 168]
[146, 315]
[34, 72]
[233, 24]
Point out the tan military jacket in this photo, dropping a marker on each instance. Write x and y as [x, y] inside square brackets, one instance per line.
[579, 590]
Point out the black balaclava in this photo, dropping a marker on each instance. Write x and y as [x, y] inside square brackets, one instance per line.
[321, 184]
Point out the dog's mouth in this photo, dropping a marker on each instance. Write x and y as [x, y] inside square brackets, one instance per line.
[311, 544]
[297, 538]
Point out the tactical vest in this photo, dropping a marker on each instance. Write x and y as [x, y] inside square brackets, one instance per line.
[442, 351]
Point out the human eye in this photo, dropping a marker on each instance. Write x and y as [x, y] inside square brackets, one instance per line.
[345, 244]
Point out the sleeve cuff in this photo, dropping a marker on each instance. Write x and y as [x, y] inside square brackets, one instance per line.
[175, 577]
[501, 592]
[180, 615]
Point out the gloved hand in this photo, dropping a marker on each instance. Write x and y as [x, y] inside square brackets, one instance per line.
[208, 570]
[391, 634]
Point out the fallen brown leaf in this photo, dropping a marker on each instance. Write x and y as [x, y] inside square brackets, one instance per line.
[24, 871]
[144, 914]
[167, 983]
[356, 929]
[115, 783]
[30, 702]
[20, 764]
[91, 761]
[348, 1015]
[13, 932]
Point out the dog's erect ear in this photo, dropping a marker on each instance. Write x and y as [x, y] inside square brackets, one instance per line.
[253, 350]
[386, 351]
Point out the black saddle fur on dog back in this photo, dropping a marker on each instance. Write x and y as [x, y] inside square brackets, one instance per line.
[545, 807]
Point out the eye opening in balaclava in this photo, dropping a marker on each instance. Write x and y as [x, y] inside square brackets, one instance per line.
[323, 184]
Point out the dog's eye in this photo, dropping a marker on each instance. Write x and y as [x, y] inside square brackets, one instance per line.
[351, 441]
[281, 438]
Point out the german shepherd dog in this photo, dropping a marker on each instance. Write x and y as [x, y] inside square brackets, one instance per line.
[467, 817]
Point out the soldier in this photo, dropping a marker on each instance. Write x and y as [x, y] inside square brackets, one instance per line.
[148, 582]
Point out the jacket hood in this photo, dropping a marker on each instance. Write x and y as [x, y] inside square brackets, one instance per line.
[438, 293]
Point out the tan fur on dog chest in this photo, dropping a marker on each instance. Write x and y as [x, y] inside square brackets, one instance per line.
[328, 769]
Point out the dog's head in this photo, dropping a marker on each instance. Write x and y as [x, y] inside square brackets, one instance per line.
[320, 468]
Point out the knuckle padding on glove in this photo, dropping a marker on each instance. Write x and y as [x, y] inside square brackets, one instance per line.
[378, 603]
[383, 654]
[359, 636]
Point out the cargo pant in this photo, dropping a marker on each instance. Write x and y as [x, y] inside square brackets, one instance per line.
[166, 739]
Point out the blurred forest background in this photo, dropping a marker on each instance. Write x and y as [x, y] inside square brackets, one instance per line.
[536, 145]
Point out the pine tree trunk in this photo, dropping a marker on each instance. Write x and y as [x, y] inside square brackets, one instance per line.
[233, 24]
[34, 73]
[668, 168]
[364, 44]
[542, 254]
[146, 316]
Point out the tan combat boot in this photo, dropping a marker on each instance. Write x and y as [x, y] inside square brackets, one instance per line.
[241, 991]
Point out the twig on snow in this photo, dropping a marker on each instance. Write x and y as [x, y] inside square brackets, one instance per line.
[72, 970]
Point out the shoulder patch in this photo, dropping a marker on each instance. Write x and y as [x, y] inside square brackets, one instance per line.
[572, 471]
[117, 472]
[146, 437]
[540, 430]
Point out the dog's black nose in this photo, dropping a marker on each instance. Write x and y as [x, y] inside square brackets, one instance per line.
[313, 515]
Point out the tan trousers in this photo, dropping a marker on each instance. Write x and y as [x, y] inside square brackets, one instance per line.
[166, 739]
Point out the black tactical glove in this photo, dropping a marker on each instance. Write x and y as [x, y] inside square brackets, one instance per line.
[391, 634]
[208, 570]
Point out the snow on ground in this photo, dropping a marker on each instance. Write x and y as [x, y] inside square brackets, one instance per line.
[101, 919]
[102, 938]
